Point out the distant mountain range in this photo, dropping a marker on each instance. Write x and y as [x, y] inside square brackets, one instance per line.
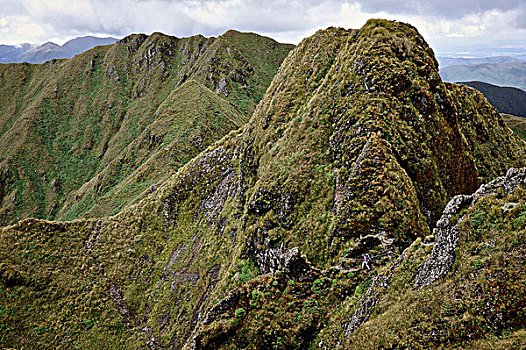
[48, 51]
[505, 99]
[463, 61]
[512, 74]
[233, 192]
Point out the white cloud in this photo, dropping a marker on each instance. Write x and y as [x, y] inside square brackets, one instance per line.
[445, 23]
[18, 29]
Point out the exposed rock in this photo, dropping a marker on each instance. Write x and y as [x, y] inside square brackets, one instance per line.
[368, 301]
[296, 267]
[212, 205]
[221, 87]
[220, 308]
[232, 233]
[279, 200]
[442, 258]
[95, 233]
[121, 306]
[55, 185]
[509, 183]
[270, 260]
[289, 261]
[509, 206]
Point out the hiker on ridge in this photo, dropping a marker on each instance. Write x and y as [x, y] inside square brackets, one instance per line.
[365, 262]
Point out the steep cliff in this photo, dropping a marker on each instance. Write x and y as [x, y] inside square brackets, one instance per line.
[466, 290]
[356, 147]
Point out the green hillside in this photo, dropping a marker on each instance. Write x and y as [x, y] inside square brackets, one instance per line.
[187, 121]
[517, 124]
[504, 99]
[74, 130]
[356, 147]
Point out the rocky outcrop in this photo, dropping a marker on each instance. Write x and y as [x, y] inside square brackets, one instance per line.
[442, 258]
[368, 301]
[288, 261]
[356, 147]
[446, 237]
[464, 291]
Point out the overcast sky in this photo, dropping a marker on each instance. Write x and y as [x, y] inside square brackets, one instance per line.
[450, 26]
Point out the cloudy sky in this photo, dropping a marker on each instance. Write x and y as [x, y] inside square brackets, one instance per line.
[450, 26]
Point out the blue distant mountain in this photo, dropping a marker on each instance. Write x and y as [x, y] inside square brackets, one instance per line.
[462, 61]
[511, 74]
[48, 51]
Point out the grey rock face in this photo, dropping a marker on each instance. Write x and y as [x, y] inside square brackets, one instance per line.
[442, 258]
[212, 205]
[221, 87]
[513, 179]
[289, 261]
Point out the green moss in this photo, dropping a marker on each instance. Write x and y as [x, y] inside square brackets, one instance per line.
[481, 302]
[477, 219]
[87, 118]
[381, 146]
[362, 287]
[240, 313]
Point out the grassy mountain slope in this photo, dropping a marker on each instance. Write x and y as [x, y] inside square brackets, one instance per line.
[64, 122]
[511, 74]
[517, 124]
[240, 66]
[400, 146]
[357, 146]
[486, 132]
[504, 99]
[189, 119]
[478, 302]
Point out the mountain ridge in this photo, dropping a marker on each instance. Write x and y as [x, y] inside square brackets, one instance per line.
[511, 74]
[80, 123]
[356, 147]
[504, 99]
[464, 61]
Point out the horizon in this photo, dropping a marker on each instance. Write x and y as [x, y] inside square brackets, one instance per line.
[62, 42]
[519, 54]
[476, 28]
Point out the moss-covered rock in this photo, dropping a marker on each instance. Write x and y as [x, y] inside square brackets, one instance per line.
[356, 147]
[479, 299]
